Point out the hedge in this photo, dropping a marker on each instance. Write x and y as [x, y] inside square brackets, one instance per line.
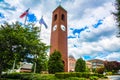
[22, 76]
[63, 75]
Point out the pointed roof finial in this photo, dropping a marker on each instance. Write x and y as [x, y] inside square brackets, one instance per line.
[59, 2]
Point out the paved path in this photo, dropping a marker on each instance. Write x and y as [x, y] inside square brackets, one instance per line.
[115, 77]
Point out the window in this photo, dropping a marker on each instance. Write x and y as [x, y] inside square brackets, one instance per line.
[55, 17]
[63, 17]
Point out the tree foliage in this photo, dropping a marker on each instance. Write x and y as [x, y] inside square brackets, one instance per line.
[117, 15]
[18, 43]
[80, 65]
[41, 59]
[112, 66]
[55, 63]
[100, 69]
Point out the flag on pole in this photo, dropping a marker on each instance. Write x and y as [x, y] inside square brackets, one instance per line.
[43, 22]
[25, 13]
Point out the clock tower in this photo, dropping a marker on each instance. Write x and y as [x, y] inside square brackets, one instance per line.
[59, 34]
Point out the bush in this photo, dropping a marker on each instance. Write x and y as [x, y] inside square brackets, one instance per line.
[108, 73]
[82, 78]
[29, 76]
[22, 76]
[93, 78]
[12, 76]
[55, 63]
[64, 75]
[72, 78]
[98, 75]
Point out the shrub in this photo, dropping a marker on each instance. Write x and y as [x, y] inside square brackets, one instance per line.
[80, 65]
[100, 70]
[22, 76]
[12, 76]
[85, 75]
[55, 63]
[108, 73]
[62, 75]
[93, 78]
[72, 78]
[82, 78]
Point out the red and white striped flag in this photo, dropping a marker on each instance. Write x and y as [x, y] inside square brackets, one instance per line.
[25, 13]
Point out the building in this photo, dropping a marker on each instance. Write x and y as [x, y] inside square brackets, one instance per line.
[59, 34]
[96, 63]
[25, 67]
[89, 64]
[71, 63]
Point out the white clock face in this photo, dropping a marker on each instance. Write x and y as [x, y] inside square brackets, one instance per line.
[55, 27]
[63, 27]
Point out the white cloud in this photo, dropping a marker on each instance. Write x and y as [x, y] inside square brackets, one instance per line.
[115, 56]
[81, 13]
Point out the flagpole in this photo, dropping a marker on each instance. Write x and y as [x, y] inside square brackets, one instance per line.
[40, 31]
[25, 20]
[36, 55]
[13, 65]
[40, 28]
[35, 64]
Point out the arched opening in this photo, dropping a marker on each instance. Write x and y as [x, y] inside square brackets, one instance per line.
[63, 63]
[55, 17]
[63, 17]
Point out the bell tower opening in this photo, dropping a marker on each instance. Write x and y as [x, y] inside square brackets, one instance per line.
[55, 17]
[63, 17]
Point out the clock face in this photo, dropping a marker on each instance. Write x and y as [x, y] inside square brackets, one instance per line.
[63, 27]
[55, 27]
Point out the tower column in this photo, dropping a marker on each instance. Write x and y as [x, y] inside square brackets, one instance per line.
[59, 34]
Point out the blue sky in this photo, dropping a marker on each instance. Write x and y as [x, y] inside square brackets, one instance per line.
[91, 26]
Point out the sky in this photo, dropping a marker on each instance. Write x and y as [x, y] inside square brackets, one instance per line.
[92, 28]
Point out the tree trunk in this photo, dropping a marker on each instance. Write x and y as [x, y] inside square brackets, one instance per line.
[0, 71]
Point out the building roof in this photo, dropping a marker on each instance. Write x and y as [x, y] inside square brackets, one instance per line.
[95, 60]
[71, 56]
[60, 7]
[27, 66]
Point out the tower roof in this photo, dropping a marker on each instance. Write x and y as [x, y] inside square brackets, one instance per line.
[71, 56]
[60, 7]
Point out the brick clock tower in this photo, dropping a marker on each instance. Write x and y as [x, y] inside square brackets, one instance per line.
[59, 34]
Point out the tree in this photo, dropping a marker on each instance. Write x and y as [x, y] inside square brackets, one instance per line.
[55, 63]
[80, 65]
[112, 66]
[41, 59]
[18, 43]
[117, 15]
[100, 69]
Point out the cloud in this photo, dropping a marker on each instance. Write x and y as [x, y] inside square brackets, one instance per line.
[97, 40]
[4, 5]
[115, 56]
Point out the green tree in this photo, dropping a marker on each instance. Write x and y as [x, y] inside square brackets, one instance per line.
[100, 69]
[117, 15]
[18, 43]
[55, 63]
[80, 65]
[40, 59]
[112, 66]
